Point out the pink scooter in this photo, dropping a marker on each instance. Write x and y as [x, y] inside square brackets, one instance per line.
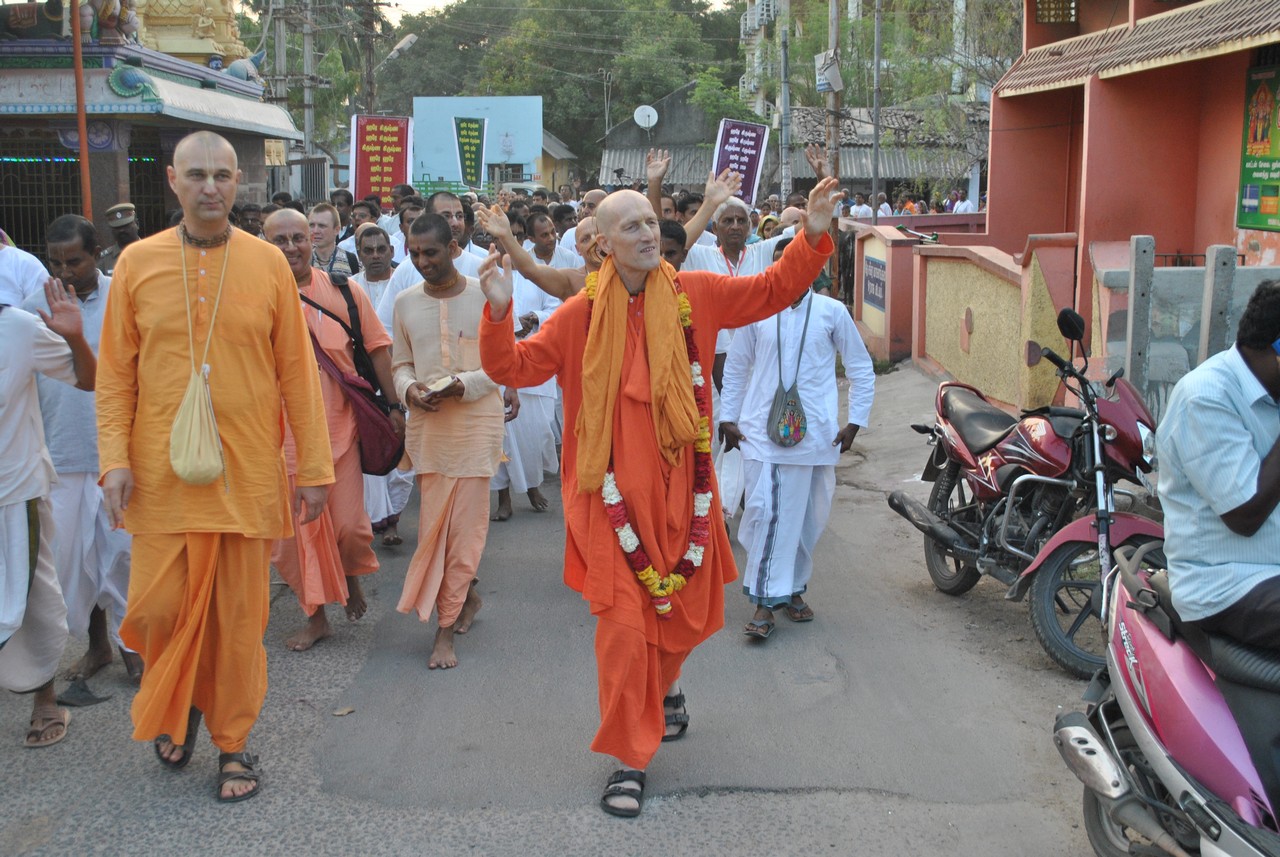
[1165, 766]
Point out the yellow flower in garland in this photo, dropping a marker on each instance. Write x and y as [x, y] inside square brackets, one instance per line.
[703, 443]
[685, 311]
[593, 282]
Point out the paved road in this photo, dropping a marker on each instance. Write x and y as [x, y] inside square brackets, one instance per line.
[900, 722]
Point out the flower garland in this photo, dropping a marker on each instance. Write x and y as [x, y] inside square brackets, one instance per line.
[661, 588]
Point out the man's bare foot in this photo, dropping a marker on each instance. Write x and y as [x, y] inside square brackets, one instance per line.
[537, 501]
[391, 536]
[443, 656]
[470, 608]
[504, 505]
[316, 629]
[132, 664]
[355, 599]
[89, 665]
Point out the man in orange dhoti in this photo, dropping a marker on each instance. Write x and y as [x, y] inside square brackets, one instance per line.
[205, 294]
[454, 437]
[324, 561]
[645, 538]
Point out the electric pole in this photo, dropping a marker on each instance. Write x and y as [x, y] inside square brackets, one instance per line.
[785, 98]
[308, 79]
[833, 97]
[875, 122]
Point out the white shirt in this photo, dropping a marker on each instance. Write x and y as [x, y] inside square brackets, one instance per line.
[964, 206]
[375, 291]
[754, 259]
[527, 298]
[348, 244]
[885, 210]
[406, 276]
[70, 415]
[751, 380]
[21, 275]
[863, 210]
[26, 347]
[569, 240]
[706, 239]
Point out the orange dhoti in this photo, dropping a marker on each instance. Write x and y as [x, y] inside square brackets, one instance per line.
[322, 554]
[453, 523]
[198, 606]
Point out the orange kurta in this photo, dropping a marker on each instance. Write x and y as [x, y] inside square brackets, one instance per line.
[199, 549]
[638, 655]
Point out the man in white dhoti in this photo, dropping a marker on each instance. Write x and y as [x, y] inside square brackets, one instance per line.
[33, 616]
[789, 488]
[91, 558]
[529, 440]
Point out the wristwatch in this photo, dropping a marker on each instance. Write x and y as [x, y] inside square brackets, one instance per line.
[402, 408]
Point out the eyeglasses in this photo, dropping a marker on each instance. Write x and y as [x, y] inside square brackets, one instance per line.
[297, 240]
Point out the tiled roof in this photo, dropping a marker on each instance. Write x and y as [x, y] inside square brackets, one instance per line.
[1193, 32]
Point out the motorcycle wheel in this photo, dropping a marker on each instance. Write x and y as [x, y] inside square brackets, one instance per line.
[948, 573]
[1111, 839]
[1063, 615]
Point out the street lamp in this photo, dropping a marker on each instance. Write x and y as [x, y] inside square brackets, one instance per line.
[370, 86]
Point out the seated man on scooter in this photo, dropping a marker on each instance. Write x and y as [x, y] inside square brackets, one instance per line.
[1219, 450]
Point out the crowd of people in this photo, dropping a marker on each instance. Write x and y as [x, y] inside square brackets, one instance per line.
[510, 339]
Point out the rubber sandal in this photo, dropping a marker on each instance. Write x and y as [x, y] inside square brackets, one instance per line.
[676, 718]
[803, 613]
[50, 716]
[250, 762]
[615, 788]
[759, 630]
[193, 729]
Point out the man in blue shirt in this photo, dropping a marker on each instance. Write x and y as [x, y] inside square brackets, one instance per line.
[1219, 447]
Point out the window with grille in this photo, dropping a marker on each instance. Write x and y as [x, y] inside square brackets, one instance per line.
[1055, 11]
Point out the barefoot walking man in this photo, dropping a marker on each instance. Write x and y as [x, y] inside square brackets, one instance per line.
[628, 351]
[198, 587]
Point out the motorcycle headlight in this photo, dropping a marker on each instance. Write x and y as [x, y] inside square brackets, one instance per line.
[1148, 457]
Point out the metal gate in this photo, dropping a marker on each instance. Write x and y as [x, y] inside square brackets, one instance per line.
[39, 180]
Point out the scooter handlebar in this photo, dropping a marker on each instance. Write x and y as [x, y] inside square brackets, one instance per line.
[1049, 354]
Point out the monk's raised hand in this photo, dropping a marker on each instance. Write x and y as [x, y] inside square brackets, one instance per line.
[844, 438]
[720, 188]
[816, 155]
[823, 199]
[494, 221]
[117, 488]
[308, 502]
[64, 316]
[656, 164]
[496, 283]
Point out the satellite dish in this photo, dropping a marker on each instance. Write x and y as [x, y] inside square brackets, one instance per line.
[646, 117]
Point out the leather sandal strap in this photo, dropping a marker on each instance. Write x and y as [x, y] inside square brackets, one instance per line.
[675, 701]
[621, 776]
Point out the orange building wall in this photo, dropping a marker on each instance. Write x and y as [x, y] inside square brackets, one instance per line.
[1221, 132]
[1035, 166]
[1095, 15]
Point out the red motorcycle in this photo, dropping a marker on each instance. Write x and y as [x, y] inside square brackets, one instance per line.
[1010, 498]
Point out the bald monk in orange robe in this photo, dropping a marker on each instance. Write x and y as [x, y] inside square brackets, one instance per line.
[324, 561]
[198, 591]
[638, 655]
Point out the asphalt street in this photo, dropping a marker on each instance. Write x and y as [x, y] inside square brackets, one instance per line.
[899, 722]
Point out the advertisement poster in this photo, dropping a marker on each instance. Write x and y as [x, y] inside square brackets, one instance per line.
[740, 146]
[1259, 200]
[380, 149]
[470, 138]
[873, 279]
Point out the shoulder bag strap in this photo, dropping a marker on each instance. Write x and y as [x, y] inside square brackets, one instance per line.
[804, 333]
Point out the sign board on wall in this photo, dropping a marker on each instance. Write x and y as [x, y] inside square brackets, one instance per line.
[873, 282]
[380, 148]
[1258, 203]
[740, 146]
[445, 145]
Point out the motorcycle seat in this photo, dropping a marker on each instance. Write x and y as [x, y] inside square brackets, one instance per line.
[1228, 658]
[980, 424]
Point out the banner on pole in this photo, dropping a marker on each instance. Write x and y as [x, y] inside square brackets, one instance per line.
[1258, 206]
[740, 146]
[380, 147]
[470, 138]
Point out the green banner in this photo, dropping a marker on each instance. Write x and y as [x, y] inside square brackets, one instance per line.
[1259, 200]
[470, 135]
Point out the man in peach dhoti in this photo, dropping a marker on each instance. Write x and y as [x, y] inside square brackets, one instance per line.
[645, 538]
[454, 437]
[205, 302]
[324, 561]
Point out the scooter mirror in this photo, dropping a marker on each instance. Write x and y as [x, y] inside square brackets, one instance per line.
[1071, 324]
